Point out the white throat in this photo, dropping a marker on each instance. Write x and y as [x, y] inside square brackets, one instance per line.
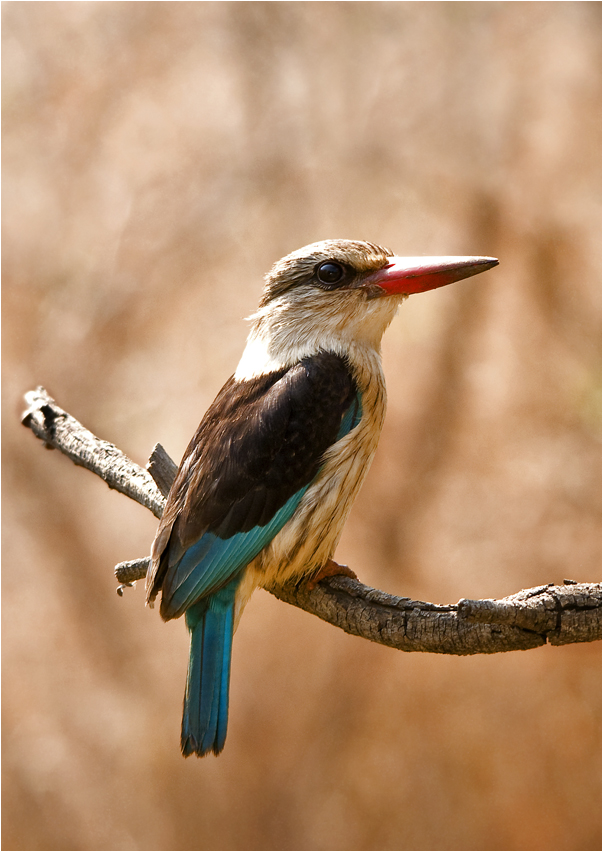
[285, 331]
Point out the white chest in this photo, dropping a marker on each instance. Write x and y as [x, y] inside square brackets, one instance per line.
[309, 538]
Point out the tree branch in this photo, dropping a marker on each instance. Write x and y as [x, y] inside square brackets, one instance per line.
[563, 614]
[59, 430]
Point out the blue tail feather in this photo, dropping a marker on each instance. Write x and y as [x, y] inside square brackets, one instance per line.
[205, 716]
[210, 615]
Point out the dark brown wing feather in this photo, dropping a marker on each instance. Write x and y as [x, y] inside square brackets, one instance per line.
[259, 442]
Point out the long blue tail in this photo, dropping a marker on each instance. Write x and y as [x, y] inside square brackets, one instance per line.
[205, 716]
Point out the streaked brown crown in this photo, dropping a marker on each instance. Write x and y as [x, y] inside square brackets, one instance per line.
[299, 267]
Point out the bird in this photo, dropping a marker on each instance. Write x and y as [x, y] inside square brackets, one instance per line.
[267, 481]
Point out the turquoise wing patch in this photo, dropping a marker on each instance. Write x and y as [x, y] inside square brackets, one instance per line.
[212, 561]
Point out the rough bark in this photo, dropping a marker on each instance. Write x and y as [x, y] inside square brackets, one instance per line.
[59, 430]
[563, 614]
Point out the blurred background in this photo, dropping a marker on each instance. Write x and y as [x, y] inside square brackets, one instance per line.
[157, 159]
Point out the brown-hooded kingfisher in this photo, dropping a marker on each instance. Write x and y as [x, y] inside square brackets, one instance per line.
[265, 485]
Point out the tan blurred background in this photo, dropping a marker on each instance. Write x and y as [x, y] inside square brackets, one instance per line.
[158, 158]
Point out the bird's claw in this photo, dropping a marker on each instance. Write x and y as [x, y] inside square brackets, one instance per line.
[330, 569]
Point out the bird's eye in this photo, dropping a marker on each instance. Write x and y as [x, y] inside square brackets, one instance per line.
[329, 273]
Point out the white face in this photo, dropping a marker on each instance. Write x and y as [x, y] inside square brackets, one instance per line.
[314, 299]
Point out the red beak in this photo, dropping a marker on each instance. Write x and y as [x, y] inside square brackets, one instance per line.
[405, 275]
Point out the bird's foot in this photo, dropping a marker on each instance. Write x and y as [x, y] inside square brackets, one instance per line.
[330, 569]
